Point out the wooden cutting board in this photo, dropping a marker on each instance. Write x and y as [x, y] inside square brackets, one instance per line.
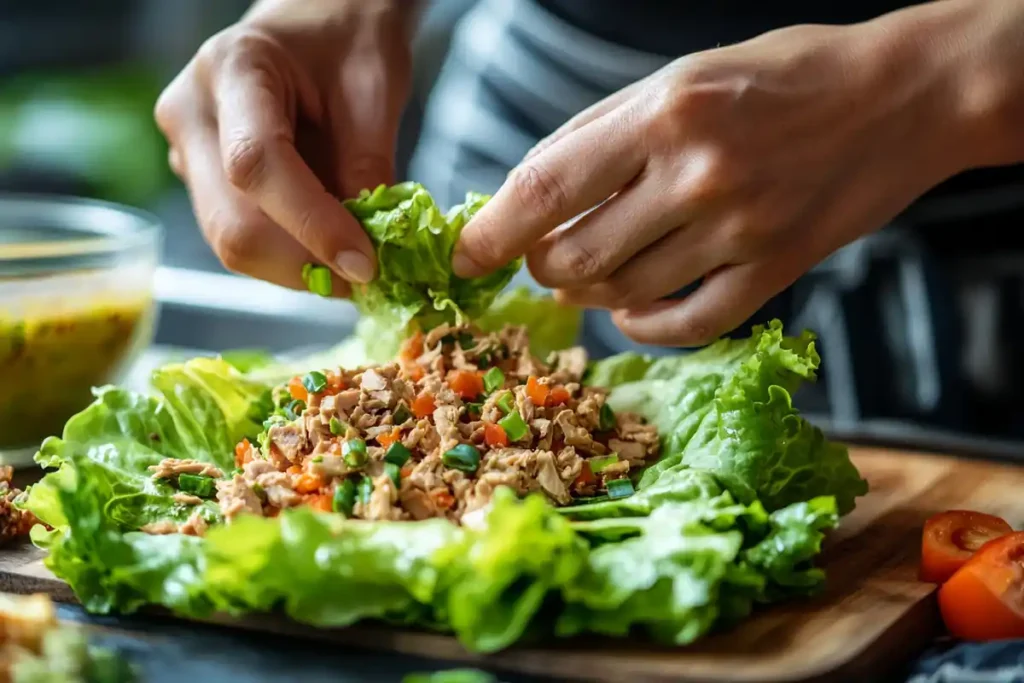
[873, 617]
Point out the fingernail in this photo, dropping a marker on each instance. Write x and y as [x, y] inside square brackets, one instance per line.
[354, 266]
[463, 265]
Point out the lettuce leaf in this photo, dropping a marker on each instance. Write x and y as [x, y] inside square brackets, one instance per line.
[728, 409]
[414, 241]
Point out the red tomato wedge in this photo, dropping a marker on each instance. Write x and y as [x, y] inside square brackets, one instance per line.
[951, 538]
[984, 599]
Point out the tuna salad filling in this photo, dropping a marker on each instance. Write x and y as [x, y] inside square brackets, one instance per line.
[433, 434]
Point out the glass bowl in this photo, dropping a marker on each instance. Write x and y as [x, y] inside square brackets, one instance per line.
[76, 309]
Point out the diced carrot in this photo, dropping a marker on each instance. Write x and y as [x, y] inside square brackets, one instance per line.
[466, 384]
[423, 405]
[335, 383]
[243, 453]
[407, 469]
[308, 483]
[412, 348]
[386, 439]
[294, 469]
[443, 499]
[585, 477]
[414, 371]
[321, 502]
[558, 396]
[296, 389]
[537, 392]
[494, 435]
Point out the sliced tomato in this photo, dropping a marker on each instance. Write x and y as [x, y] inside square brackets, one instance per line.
[984, 599]
[297, 390]
[466, 384]
[423, 405]
[537, 392]
[951, 538]
[494, 435]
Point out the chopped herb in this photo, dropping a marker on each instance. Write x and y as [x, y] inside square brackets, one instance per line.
[197, 484]
[475, 409]
[600, 464]
[344, 497]
[314, 382]
[620, 488]
[606, 418]
[401, 415]
[307, 268]
[318, 458]
[514, 426]
[337, 428]
[317, 279]
[507, 402]
[393, 471]
[397, 454]
[364, 489]
[354, 452]
[237, 470]
[463, 457]
[294, 409]
[494, 379]
[257, 489]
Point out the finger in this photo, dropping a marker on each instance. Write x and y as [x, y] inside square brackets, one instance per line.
[725, 299]
[679, 259]
[592, 247]
[365, 115]
[591, 113]
[572, 176]
[244, 238]
[259, 157]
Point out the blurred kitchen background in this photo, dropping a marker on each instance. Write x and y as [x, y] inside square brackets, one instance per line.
[918, 325]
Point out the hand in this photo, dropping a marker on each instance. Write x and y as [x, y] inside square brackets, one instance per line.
[742, 167]
[278, 116]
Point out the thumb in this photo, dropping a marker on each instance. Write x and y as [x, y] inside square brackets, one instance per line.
[365, 116]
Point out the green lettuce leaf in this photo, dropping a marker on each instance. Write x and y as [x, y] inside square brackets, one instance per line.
[553, 326]
[414, 241]
[727, 409]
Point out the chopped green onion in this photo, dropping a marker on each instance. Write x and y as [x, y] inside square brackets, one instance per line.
[598, 465]
[344, 498]
[401, 415]
[307, 268]
[354, 452]
[514, 426]
[463, 457]
[314, 381]
[466, 341]
[197, 484]
[393, 471]
[294, 409]
[475, 409]
[364, 489]
[257, 489]
[606, 418]
[494, 379]
[337, 428]
[397, 454]
[318, 279]
[238, 470]
[318, 458]
[507, 402]
[620, 488]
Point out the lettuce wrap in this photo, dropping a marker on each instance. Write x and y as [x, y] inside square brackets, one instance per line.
[731, 515]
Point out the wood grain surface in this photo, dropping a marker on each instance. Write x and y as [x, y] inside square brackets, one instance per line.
[873, 617]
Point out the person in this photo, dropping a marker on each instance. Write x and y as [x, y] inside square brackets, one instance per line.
[736, 166]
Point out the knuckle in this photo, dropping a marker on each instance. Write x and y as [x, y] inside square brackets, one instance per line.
[695, 330]
[581, 262]
[481, 248]
[539, 190]
[245, 160]
[233, 242]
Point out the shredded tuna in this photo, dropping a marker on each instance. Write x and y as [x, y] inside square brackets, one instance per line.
[170, 468]
[161, 528]
[195, 525]
[186, 499]
[236, 497]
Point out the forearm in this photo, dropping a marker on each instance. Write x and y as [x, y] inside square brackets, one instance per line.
[974, 52]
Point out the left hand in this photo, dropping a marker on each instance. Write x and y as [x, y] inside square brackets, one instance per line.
[744, 166]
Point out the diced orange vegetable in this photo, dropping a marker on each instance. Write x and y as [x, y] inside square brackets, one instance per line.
[308, 483]
[294, 469]
[296, 389]
[388, 438]
[243, 453]
[586, 476]
[414, 371]
[494, 435]
[335, 383]
[423, 405]
[321, 502]
[407, 469]
[412, 348]
[443, 499]
[558, 396]
[537, 392]
[466, 384]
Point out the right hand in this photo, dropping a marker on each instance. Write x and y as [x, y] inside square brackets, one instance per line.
[279, 115]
